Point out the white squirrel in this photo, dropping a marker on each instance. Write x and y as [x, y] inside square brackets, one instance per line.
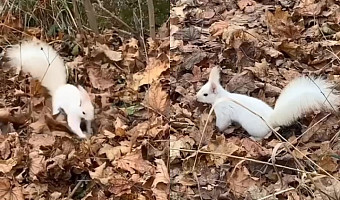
[299, 97]
[43, 63]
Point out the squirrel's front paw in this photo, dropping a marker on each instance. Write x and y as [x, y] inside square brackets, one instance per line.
[82, 135]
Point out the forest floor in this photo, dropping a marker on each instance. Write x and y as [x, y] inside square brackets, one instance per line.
[260, 46]
[126, 158]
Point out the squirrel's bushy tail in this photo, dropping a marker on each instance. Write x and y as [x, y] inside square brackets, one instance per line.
[303, 95]
[37, 58]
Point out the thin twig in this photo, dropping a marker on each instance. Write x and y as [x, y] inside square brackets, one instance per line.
[243, 158]
[151, 11]
[114, 16]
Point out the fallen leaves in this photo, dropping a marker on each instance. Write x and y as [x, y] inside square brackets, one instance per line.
[8, 191]
[110, 54]
[260, 48]
[152, 72]
[160, 185]
[45, 160]
[282, 25]
[158, 99]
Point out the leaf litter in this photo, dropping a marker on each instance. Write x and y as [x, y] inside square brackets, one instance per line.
[127, 156]
[261, 46]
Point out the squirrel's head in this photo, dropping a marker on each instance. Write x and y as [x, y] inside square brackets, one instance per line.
[208, 93]
[87, 108]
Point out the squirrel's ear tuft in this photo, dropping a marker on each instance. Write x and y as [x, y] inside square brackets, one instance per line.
[214, 76]
[213, 87]
[83, 93]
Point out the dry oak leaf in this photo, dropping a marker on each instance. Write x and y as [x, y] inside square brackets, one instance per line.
[130, 51]
[253, 149]
[120, 185]
[178, 12]
[160, 185]
[281, 24]
[134, 162]
[152, 72]
[33, 190]
[37, 164]
[120, 127]
[302, 155]
[217, 28]
[247, 6]
[157, 98]
[10, 192]
[328, 163]
[330, 189]
[241, 181]
[110, 54]
[38, 126]
[179, 143]
[139, 130]
[37, 140]
[5, 149]
[221, 146]
[113, 153]
[311, 7]
[97, 79]
[101, 174]
[7, 165]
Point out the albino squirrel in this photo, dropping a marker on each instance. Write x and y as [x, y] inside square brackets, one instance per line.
[43, 63]
[298, 97]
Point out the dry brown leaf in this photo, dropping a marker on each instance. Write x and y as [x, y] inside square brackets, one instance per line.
[281, 24]
[37, 164]
[260, 69]
[157, 98]
[241, 181]
[7, 165]
[55, 195]
[120, 127]
[311, 7]
[103, 48]
[160, 185]
[139, 130]
[5, 149]
[208, 14]
[134, 162]
[38, 126]
[152, 72]
[247, 6]
[113, 153]
[119, 185]
[218, 28]
[37, 140]
[253, 149]
[101, 174]
[33, 190]
[179, 143]
[299, 155]
[328, 163]
[10, 192]
[98, 79]
[223, 147]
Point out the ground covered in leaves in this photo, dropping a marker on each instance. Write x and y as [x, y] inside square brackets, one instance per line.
[126, 158]
[261, 46]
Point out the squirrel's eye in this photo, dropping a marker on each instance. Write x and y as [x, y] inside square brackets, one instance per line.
[83, 113]
[205, 94]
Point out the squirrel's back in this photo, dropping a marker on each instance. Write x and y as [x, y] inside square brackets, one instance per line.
[37, 58]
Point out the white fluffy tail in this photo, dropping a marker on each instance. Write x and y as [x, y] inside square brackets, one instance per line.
[41, 61]
[303, 95]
